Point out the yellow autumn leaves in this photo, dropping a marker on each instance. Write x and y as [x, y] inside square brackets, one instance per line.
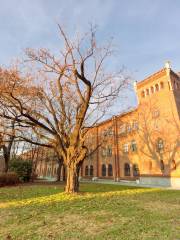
[61, 197]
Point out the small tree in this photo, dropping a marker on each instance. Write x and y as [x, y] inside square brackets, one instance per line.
[23, 168]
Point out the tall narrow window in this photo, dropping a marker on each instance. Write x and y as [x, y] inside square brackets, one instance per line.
[127, 169]
[109, 151]
[122, 129]
[110, 170]
[86, 171]
[135, 125]
[157, 87]
[156, 113]
[91, 170]
[103, 152]
[162, 165]
[129, 128]
[133, 146]
[161, 85]
[126, 148]
[103, 170]
[143, 94]
[152, 89]
[135, 170]
[147, 91]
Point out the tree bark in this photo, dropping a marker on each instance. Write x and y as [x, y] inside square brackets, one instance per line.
[6, 156]
[72, 182]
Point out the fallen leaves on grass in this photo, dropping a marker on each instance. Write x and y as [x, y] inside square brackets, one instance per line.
[59, 197]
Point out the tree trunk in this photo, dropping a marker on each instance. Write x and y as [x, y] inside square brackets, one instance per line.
[6, 156]
[72, 182]
[6, 165]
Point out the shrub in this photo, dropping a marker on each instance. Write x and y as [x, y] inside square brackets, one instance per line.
[23, 168]
[9, 178]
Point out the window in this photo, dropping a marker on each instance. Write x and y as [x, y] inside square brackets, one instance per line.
[105, 133]
[109, 151]
[161, 85]
[127, 169]
[147, 91]
[103, 153]
[110, 170]
[129, 128]
[126, 148]
[135, 170]
[91, 170]
[143, 94]
[103, 170]
[160, 144]
[156, 113]
[157, 87]
[110, 131]
[135, 125]
[152, 89]
[162, 165]
[133, 146]
[122, 129]
[86, 171]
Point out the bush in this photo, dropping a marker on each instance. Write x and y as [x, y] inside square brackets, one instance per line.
[23, 168]
[9, 178]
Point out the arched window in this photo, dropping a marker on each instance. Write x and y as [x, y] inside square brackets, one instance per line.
[147, 91]
[143, 94]
[110, 170]
[162, 165]
[127, 169]
[103, 170]
[157, 87]
[86, 171]
[135, 170]
[161, 85]
[91, 170]
[152, 89]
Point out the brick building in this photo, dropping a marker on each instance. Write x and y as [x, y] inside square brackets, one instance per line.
[143, 143]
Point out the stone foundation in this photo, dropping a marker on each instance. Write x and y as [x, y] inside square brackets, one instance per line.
[160, 181]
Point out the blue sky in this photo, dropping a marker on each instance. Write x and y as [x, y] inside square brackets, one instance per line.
[146, 32]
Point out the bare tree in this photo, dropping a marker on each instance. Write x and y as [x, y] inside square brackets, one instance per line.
[62, 97]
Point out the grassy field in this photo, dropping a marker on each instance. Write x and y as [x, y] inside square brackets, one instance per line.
[99, 212]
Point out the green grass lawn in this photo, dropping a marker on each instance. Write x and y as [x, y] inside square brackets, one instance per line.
[99, 212]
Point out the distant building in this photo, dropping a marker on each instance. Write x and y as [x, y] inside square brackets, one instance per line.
[141, 144]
